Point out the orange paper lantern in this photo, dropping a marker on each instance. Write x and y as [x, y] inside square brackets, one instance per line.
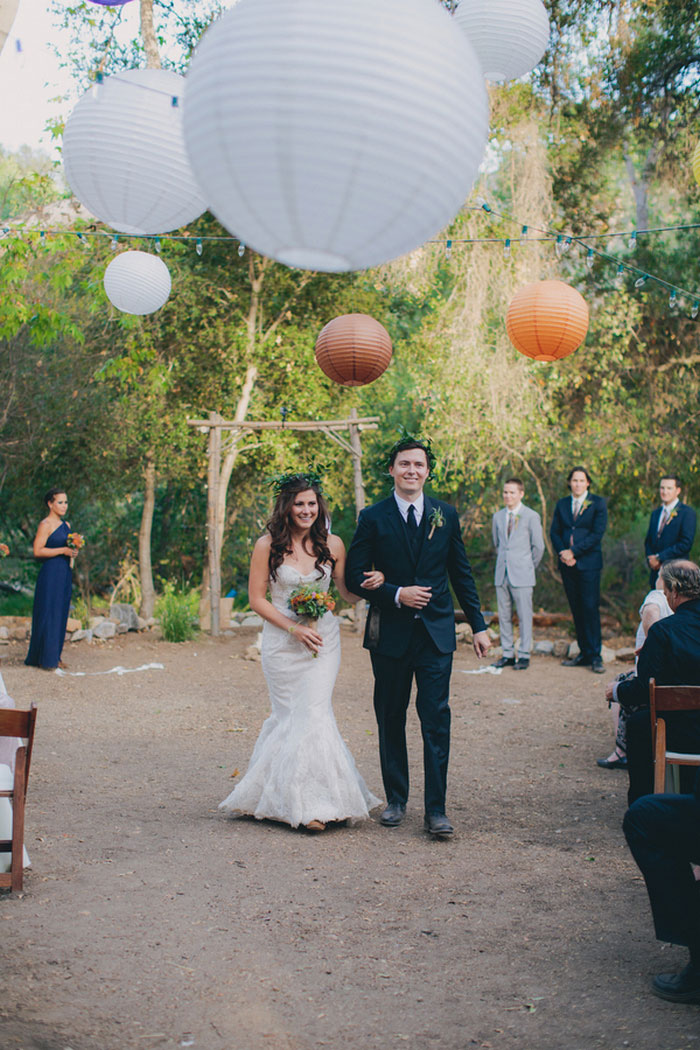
[547, 320]
[353, 349]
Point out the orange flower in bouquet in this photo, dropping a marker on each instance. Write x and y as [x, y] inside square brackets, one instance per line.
[4, 550]
[75, 541]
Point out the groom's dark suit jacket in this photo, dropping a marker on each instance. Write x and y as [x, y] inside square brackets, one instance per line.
[382, 541]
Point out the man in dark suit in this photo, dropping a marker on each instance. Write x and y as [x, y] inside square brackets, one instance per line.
[416, 542]
[663, 833]
[671, 527]
[578, 524]
[671, 656]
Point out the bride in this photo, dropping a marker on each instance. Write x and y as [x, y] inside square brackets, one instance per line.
[301, 771]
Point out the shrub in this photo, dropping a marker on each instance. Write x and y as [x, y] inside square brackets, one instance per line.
[178, 612]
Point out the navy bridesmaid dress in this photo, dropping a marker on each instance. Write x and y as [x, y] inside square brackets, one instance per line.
[52, 595]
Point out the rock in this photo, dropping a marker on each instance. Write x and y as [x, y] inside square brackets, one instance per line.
[4, 641]
[607, 655]
[493, 635]
[81, 636]
[19, 634]
[122, 628]
[124, 613]
[95, 621]
[252, 653]
[143, 624]
[573, 650]
[252, 620]
[544, 647]
[104, 629]
[4, 633]
[346, 614]
[73, 624]
[560, 648]
[626, 656]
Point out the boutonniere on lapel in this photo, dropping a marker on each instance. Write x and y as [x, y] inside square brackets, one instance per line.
[436, 521]
[585, 505]
[673, 514]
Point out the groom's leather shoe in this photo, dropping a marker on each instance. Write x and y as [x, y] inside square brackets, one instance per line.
[393, 815]
[597, 666]
[505, 661]
[683, 987]
[437, 824]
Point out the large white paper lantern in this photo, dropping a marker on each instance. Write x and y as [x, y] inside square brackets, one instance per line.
[124, 153]
[8, 10]
[137, 283]
[335, 135]
[509, 36]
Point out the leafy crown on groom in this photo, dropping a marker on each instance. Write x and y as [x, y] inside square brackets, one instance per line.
[416, 541]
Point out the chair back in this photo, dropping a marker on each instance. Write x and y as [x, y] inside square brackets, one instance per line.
[20, 724]
[667, 699]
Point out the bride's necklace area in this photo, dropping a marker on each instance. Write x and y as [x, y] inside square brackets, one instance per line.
[300, 556]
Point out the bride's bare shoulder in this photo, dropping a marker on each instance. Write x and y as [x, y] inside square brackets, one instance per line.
[263, 543]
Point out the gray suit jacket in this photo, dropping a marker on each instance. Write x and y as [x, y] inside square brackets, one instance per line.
[519, 554]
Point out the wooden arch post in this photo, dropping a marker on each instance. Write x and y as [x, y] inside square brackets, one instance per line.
[215, 426]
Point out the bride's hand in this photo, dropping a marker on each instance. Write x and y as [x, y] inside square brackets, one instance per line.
[373, 580]
[308, 637]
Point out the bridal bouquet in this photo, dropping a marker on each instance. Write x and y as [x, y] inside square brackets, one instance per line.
[304, 601]
[75, 541]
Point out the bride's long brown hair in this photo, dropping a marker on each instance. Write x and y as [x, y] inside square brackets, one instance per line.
[280, 526]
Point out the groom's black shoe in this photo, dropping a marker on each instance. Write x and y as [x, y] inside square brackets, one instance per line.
[576, 661]
[393, 815]
[437, 824]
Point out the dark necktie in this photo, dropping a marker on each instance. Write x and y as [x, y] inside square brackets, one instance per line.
[663, 521]
[510, 522]
[412, 525]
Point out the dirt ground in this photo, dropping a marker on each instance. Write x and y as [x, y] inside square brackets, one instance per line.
[148, 920]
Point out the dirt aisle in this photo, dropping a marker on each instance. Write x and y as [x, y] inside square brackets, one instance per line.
[149, 921]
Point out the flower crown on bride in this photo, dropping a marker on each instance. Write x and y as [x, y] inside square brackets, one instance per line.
[311, 477]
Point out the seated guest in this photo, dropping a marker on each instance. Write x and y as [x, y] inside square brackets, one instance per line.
[663, 833]
[670, 655]
[654, 607]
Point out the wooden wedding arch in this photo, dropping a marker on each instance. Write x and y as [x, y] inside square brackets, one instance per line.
[216, 427]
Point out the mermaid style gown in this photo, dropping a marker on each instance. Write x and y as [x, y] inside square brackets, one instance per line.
[300, 769]
[52, 595]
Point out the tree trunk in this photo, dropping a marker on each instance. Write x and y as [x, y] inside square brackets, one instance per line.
[148, 35]
[148, 594]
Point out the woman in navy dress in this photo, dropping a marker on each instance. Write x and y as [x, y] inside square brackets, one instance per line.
[54, 585]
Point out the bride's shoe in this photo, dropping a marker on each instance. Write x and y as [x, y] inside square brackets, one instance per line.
[315, 825]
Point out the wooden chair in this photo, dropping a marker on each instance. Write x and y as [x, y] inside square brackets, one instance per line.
[17, 724]
[664, 699]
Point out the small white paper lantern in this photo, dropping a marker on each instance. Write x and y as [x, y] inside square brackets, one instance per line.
[509, 36]
[124, 153]
[335, 136]
[137, 283]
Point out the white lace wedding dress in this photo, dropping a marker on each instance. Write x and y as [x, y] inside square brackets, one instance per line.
[300, 769]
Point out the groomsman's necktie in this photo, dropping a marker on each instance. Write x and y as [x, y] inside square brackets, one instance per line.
[663, 520]
[510, 522]
[577, 509]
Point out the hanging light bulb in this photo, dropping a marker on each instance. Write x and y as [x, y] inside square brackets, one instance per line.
[156, 245]
[566, 245]
[114, 243]
[673, 300]
[620, 276]
[641, 281]
[241, 249]
[632, 242]
[199, 247]
[506, 248]
[589, 259]
[448, 249]
[694, 310]
[558, 246]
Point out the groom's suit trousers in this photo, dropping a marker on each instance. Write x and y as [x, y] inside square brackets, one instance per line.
[393, 678]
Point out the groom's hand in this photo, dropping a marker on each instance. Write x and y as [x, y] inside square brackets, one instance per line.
[482, 643]
[415, 597]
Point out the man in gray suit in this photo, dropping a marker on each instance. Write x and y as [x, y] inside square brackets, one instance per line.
[519, 543]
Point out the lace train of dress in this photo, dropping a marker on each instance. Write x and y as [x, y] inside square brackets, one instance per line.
[300, 770]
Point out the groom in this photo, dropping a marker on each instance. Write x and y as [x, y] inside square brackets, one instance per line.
[416, 542]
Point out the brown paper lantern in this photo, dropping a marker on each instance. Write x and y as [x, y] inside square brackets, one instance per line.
[547, 320]
[353, 349]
